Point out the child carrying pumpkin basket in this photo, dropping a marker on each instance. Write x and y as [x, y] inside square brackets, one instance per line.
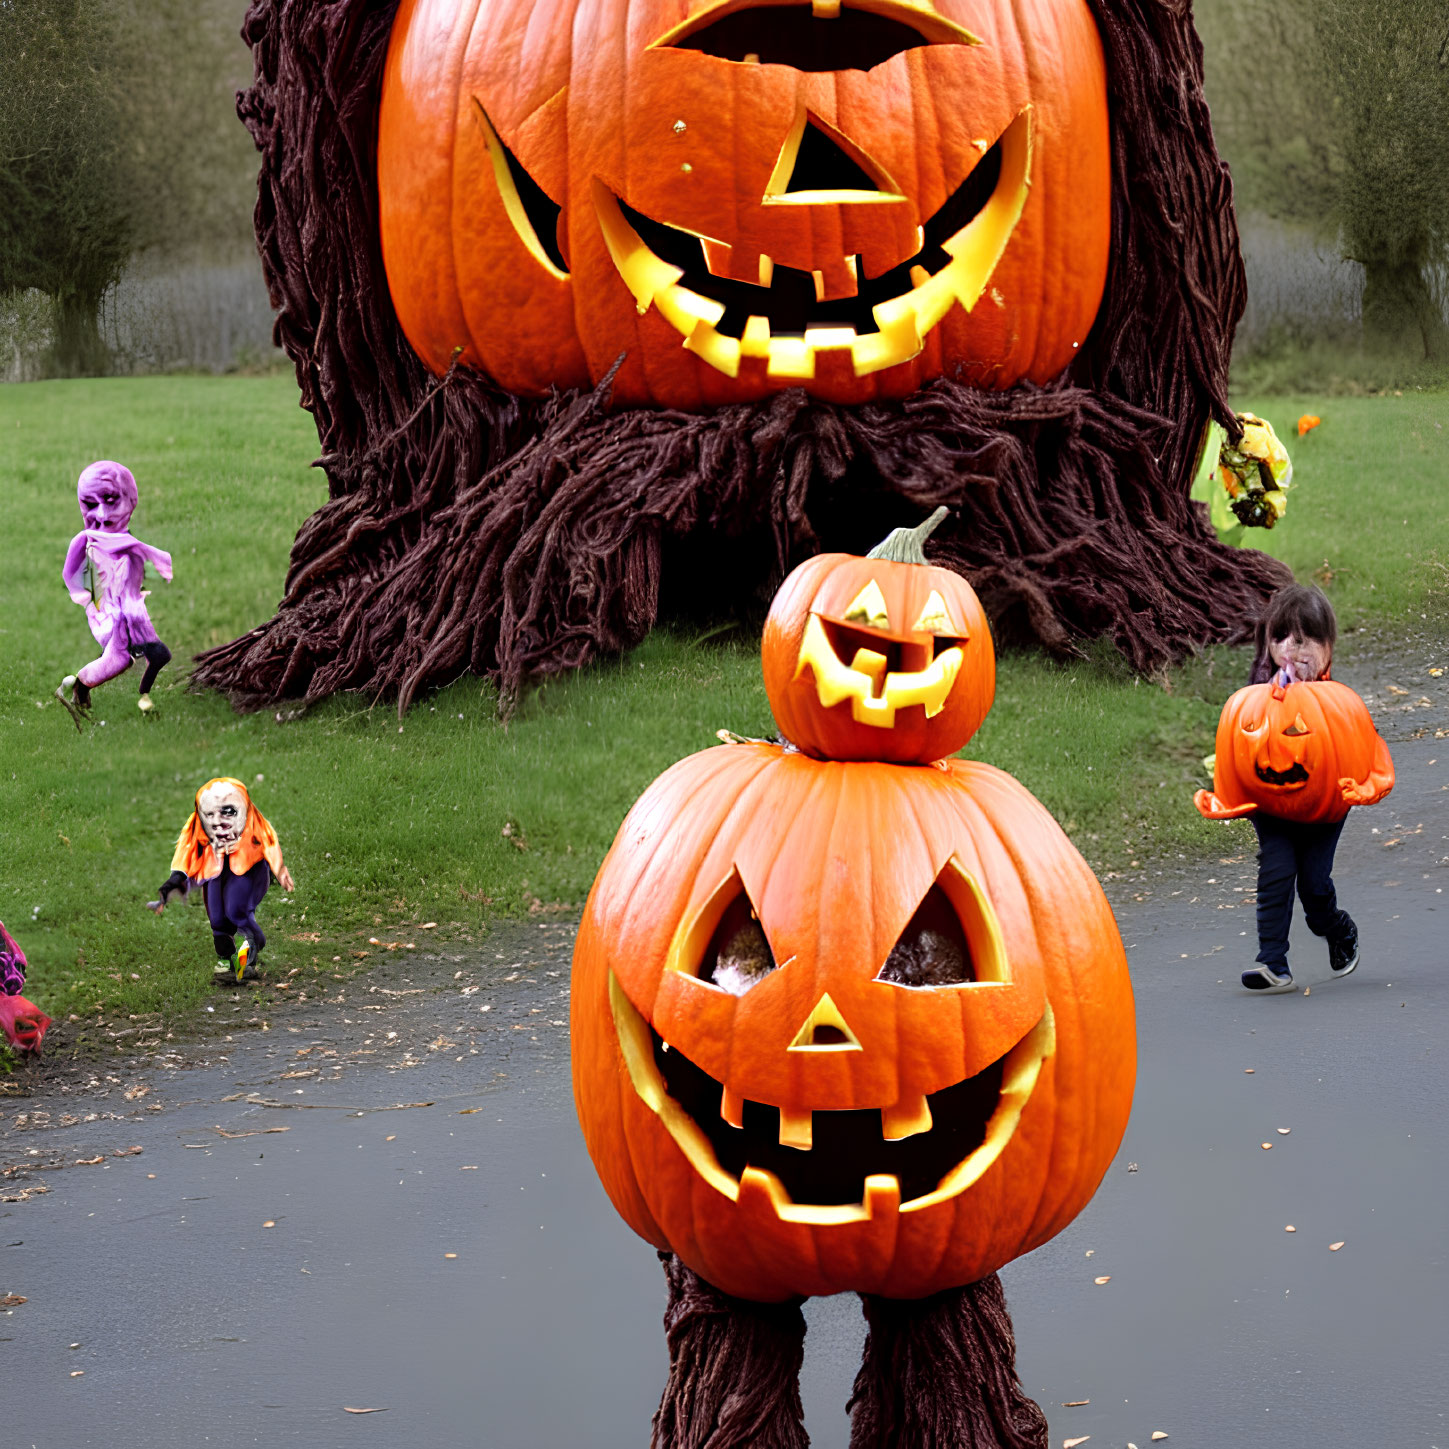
[1295, 752]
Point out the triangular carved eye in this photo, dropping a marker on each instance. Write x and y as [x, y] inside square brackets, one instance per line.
[534, 214]
[868, 607]
[738, 955]
[934, 618]
[953, 939]
[1297, 727]
[932, 950]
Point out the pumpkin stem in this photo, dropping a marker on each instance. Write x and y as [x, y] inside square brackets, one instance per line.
[942, 1370]
[734, 1369]
[907, 545]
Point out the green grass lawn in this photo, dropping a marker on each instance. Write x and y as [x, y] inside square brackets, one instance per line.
[454, 819]
[1368, 516]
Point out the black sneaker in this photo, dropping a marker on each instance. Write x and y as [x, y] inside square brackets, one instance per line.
[1343, 951]
[1268, 981]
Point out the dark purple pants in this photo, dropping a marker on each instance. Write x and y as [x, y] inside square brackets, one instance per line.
[1290, 853]
[231, 906]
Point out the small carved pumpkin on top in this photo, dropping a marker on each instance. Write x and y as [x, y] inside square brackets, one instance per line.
[745, 195]
[886, 657]
[1305, 752]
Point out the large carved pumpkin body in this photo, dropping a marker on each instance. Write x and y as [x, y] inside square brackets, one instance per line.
[850, 198]
[817, 1126]
[1287, 750]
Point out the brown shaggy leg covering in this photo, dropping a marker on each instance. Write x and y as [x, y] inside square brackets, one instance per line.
[734, 1369]
[940, 1373]
[471, 530]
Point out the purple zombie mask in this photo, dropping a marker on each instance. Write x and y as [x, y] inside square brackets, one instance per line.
[107, 496]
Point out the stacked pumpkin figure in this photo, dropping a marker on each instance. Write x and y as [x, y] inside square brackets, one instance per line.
[850, 1015]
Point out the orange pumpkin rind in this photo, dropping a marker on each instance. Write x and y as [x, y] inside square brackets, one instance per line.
[990, 1108]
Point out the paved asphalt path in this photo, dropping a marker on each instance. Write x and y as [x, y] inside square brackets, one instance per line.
[296, 1238]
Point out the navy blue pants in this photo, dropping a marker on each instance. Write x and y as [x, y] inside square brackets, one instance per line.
[1289, 853]
[231, 906]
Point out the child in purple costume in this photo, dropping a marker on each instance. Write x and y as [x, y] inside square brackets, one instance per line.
[105, 568]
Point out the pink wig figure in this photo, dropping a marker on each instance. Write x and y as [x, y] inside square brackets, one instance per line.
[22, 1024]
[105, 568]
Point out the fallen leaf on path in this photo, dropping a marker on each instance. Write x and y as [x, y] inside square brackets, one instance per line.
[1248, 1070]
[1075, 1403]
[1157, 1434]
[1099, 1281]
[254, 1132]
[77, 1373]
[1267, 1147]
[270, 1223]
[1072, 1443]
[346, 1410]
[1290, 1229]
[14, 1300]
[1334, 1247]
[1284, 1131]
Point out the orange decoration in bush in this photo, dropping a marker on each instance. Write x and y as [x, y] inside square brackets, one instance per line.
[885, 657]
[1306, 752]
[847, 1025]
[849, 198]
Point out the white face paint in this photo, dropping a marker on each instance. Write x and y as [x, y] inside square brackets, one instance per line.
[223, 812]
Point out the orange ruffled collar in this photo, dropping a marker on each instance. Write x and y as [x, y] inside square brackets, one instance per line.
[195, 857]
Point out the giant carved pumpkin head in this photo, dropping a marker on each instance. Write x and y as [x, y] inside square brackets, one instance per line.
[847, 1025]
[853, 196]
[1288, 751]
[885, 657]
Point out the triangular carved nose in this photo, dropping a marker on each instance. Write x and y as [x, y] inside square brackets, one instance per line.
[817, 165]
[825, 1030]
[821, 165]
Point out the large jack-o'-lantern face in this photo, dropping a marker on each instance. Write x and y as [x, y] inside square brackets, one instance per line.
[847, 1026]
[744, 196]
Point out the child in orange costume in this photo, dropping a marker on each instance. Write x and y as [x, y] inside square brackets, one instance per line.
[229, 849]
[1295, 638]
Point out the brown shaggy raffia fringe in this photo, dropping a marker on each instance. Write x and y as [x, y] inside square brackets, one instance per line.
[468, 529]
[734, 1369]
[940, 1373]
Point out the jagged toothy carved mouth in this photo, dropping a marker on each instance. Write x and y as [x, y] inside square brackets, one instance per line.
[843, 1168]
[1296, 775]
[875, 681]
[786, 322]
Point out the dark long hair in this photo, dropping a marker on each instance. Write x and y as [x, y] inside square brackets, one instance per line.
[1301, 609]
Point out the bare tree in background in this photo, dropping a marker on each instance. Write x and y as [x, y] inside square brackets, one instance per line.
[65, 209]
[1334, 115]
[1388, 73]
[118, 137]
